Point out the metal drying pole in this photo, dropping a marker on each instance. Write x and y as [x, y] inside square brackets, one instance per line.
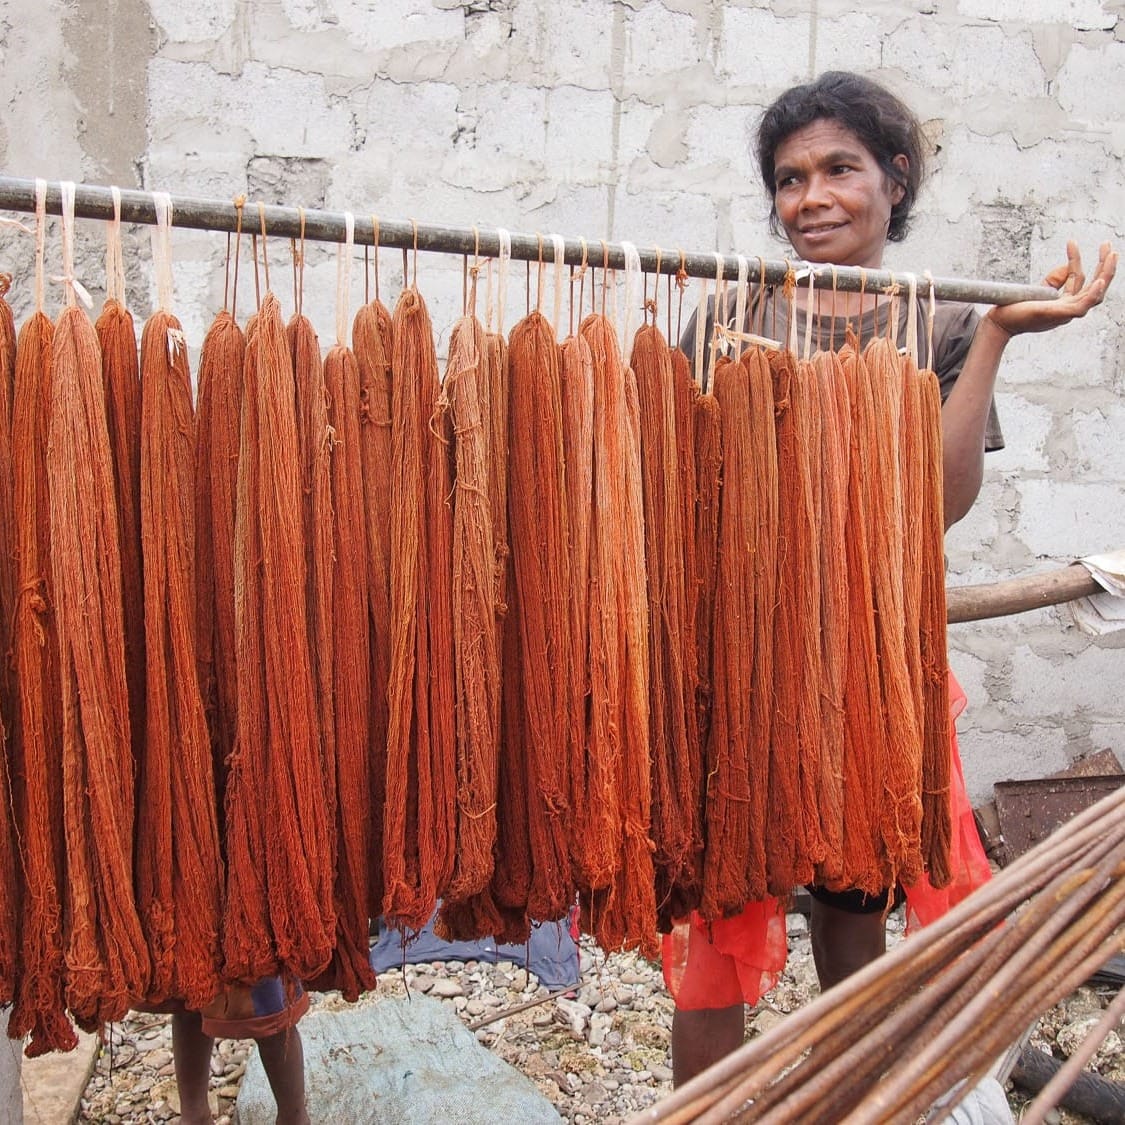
[94, 202]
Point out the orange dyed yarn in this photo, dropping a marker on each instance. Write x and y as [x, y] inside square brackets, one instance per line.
[179, 867]
[217, 423]
[467, 908]
[416, 834]
[802, 529]
[601, 811]
[107, 961]
[705, 537]
[834, 462]
[277, 790]
[496, 367]
[350, 675]
[900, 805]
[36, 747]
[511, 881]
[734, 866]
[685, 895]
[788, 823]
[619, 649]
[440, 624]
[676, 831]
[372, 340]
[122, 383]
[577, 386]
[936, 815]
[248, 952]
[865, 732]
[537, 514]
[317, 535]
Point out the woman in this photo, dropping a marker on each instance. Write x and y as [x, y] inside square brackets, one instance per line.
[842, 161]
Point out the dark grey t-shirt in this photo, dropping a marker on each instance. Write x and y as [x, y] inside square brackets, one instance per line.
[954, 326]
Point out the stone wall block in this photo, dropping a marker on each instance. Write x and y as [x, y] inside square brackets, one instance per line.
[1083, 15]
[1091, 84]
[750, 36]
[1064, 520]
[660, 42]
[286, 112]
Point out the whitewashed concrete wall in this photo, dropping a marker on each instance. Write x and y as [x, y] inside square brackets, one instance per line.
[631, 120]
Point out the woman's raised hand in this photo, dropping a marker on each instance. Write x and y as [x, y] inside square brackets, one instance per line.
[1077, 295]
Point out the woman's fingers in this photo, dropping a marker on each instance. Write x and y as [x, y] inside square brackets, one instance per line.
[1075, 278]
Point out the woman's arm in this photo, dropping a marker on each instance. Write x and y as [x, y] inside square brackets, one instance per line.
[965, 413]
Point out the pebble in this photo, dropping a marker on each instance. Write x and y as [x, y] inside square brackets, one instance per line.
[796, 925]
[446, 988]
[519, 980]
[600, 1023]
[475, 1007]
[422, 983]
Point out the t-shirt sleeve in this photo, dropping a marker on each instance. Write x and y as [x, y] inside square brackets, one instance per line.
[954, 328]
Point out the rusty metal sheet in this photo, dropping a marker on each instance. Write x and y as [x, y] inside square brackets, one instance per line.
[1029, 811]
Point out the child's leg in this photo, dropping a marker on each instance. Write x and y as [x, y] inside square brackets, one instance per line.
[191, 1055]
[283, 1058]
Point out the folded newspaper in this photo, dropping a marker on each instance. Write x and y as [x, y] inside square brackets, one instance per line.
[1104, 612]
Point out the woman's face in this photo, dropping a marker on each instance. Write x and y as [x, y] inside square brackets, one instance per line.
[832, 198]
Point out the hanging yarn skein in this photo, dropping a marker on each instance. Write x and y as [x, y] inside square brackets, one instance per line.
[107, 960]
[179, 866]
[39, 1010]
[350, 684]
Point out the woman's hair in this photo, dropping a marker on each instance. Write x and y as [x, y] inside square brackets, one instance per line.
[885, 125]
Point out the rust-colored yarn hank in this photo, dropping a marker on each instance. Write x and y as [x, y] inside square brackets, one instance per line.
[350, 674]
[121, 377]
[372, 341]
[107, 960]
[277, 790]
[317, 535]
[686, 895]
[900, 804]
[865, 733]
[704, 531]
[835, 434]
[619, 656]
[420, 794]
[676, 832]
[577, 385]
[734, 866]
[937, 828]
[467, 908]
[788, 812]
[511, 880]
[179, 867]
[217, 423]
[36, 774]
[537, 514]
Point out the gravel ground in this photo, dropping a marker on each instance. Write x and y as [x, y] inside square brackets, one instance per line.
[597, 1057]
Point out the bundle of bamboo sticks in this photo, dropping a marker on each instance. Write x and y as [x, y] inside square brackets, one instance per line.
[937, 1010]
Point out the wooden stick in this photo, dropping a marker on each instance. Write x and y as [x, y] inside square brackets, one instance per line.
[1018, 595]
[504, 1013]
